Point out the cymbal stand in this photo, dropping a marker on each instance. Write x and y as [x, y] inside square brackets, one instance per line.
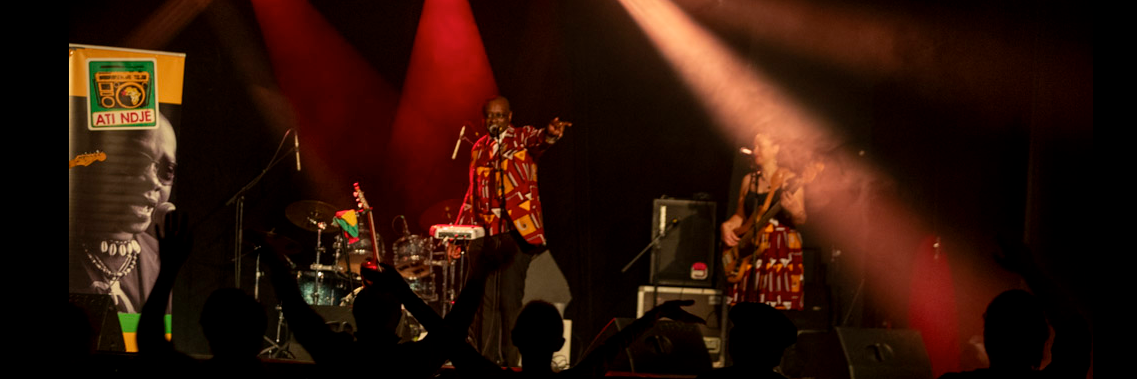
[320, 226]
[277, 349]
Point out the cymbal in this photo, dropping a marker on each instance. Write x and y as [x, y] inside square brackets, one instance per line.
[306, 214]
[443, 212]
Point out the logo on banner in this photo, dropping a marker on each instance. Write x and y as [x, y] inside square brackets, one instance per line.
[122, 94]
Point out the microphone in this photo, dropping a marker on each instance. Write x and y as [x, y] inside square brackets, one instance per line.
[161, 210]
[158, 217]
[461, 133]
[296, 144]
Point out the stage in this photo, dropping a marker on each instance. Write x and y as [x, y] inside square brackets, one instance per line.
[933, 146]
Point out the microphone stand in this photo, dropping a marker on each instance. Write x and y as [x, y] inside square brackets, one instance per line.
[655, 266]
[239, 199]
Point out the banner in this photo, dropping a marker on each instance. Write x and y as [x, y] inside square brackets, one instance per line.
[124, 107]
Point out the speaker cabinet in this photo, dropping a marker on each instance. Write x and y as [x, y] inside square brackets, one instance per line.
[857, 353]
[685, 254]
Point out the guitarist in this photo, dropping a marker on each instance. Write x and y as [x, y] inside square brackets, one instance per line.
[763, 260]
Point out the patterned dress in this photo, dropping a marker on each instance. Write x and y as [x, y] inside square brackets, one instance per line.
[777, 275]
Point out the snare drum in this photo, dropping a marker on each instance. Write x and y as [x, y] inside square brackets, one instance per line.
[412, 256]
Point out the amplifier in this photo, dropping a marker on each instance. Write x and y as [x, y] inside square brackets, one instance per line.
[685, 254]
[710, 304]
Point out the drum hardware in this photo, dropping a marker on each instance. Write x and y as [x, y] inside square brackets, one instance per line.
[451, 264]
[320, 267]
[277, 349]
[283, 247]
[323, 287]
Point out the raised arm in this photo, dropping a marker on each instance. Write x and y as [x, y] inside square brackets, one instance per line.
[393, 282]
[537, 140]
[174, 244]
[310, 329]
[597, 362]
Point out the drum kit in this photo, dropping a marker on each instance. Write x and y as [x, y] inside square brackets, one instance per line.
[333, 279]
[334, 276]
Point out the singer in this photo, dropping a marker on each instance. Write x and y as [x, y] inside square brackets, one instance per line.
[762, 256]
[503, 176]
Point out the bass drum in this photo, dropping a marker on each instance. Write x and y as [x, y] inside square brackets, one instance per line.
[360, 250]
[323, 287]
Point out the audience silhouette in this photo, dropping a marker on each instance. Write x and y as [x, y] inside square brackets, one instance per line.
[1015, 327]
[537, 333]
[232, 321]
[759, 335]
[374, 347]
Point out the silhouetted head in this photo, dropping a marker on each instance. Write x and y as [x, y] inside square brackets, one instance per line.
[539, 329]
[759, 335]
[1015, 330]
[234, 323]
[376, 311]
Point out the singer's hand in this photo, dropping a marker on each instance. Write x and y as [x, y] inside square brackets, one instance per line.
[453, 250]
[556, 130]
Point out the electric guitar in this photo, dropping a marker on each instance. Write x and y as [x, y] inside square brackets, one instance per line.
[752, 239]
[361, 203]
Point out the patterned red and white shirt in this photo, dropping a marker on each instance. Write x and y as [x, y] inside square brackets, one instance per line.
[516, 179]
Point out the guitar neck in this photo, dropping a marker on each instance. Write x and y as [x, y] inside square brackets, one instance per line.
[374, 238]
[771, 211]
[361, 203]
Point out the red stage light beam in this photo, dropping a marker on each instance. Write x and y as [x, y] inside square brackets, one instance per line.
[448, 79]
[342, 106]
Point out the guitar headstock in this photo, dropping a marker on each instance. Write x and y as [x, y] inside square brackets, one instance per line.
[812, 170]
[87, 159]
[360, 200]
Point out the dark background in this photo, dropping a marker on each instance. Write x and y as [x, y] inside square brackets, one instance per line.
[985, 130]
